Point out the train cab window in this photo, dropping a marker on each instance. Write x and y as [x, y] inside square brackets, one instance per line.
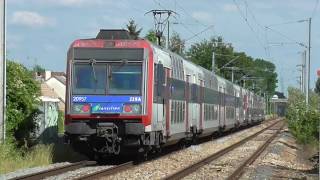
[125, 79]
[89, 79]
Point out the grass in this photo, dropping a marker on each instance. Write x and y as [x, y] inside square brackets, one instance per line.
[12, 158]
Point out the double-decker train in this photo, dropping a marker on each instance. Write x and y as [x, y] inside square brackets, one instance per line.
[124, 93]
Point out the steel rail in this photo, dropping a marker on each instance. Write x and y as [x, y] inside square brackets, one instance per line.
[192, 168]
[54, 171]
[240, 170]
[107, 172]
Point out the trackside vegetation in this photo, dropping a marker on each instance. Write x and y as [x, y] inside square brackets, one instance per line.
[303, 122]
[18, 150]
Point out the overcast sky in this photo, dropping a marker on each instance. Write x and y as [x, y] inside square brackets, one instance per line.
[40, 31]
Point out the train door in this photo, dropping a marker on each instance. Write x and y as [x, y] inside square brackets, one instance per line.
[167, 101]
[224, 106]
[159, 97]
[201, 104]
[187, 94]
[221, 107]
[237, 107]
[194, 109]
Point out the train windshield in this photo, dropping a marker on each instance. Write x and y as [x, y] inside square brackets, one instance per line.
[107, 79]
[89, 79]
[125, 79]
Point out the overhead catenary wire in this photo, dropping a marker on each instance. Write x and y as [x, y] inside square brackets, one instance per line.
[287, 37]
[250, 27]
[197, 34]
[192, 17]
[186, 12]
[287, 22]
[315, 9]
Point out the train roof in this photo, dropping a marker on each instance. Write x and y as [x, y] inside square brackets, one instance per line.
[121, 34]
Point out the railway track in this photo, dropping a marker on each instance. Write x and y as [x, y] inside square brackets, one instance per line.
[239, 171]
[55, 171]
[125, 166]
[106, 172]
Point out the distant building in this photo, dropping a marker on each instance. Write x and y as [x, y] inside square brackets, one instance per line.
[52, 101]
[53, 85]
[279, 104]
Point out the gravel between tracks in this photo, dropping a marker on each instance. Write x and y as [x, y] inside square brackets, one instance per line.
[226, 164]
[77, 173]
[283, 159]
[159, 168]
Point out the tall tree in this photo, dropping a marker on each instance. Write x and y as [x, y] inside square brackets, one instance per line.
[177, 45]
[151, 36]
[265, 71]
[38, 69]
[201, 53]
[317, 88]
[133, 30]
[225, 58]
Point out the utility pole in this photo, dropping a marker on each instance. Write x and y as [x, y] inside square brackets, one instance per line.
[213, 62]
[308, 68]
[2, 71]
[161, 20]
[167, 45]
[304, 64]
[232, 74]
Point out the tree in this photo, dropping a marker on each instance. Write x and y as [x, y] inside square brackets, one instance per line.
[133, 30]
[177, 45]
[201, 54]
[151, 36]
[38, 69]
[264, 71]
[22, 102]
[317, 88]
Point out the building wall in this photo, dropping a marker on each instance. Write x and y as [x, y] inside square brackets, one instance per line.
[58, 87]
[47, 122]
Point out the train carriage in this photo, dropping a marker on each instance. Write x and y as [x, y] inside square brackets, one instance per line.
[124, 94]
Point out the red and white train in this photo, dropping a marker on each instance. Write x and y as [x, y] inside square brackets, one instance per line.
[123, 94]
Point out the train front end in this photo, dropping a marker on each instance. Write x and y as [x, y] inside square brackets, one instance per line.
[108, 95]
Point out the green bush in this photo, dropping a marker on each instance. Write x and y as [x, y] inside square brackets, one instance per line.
[303, 122]
[22, 103]
[61, 122]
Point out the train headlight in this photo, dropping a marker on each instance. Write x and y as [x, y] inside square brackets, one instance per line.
[81, 108]
[132, 108]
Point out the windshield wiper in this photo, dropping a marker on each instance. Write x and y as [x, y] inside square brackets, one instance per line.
[123, 62]
[93, 63]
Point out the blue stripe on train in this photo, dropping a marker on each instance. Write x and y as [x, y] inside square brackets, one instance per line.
[103, 99]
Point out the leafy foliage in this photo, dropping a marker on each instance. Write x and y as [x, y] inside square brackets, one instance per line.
[177, 45]
[22, 102]
[317, 88]
[303, 122]
[60, 122]
[152, 37]
[39, 69]
[225, 56]
[133, 30]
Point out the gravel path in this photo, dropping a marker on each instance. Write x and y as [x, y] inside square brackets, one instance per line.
[159, 168]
